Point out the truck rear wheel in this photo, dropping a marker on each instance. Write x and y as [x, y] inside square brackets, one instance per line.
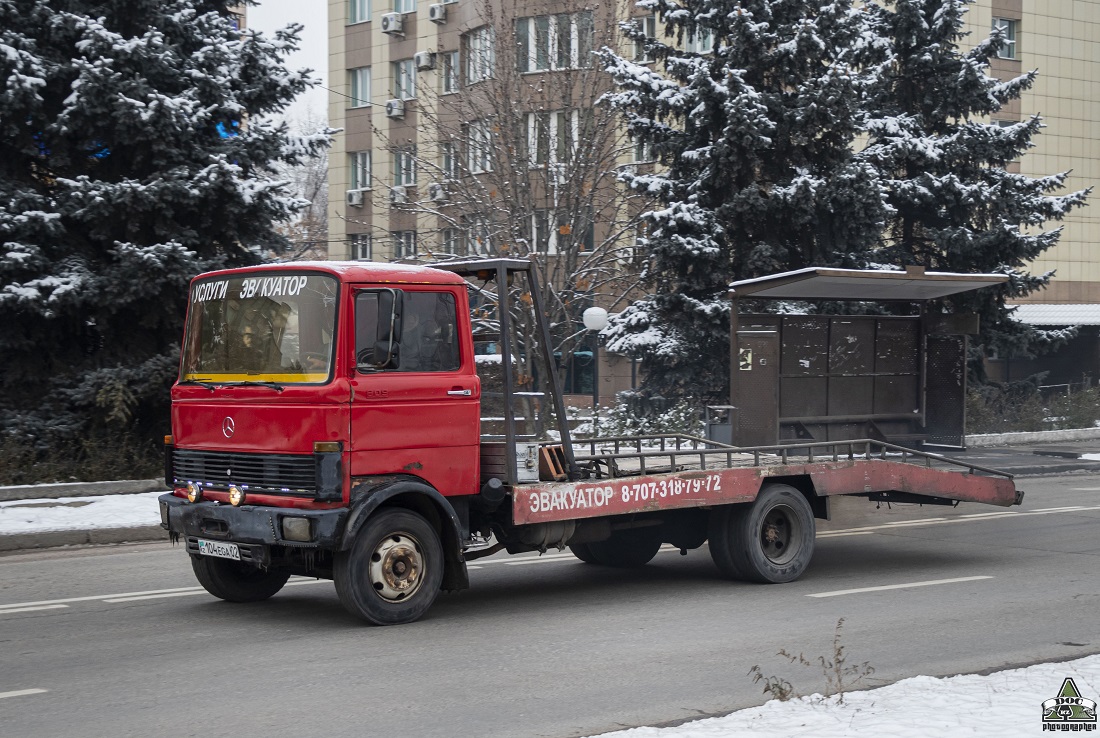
[769, 541]
[583, 551]
[626, 549]
[393, 570]
[235, 582]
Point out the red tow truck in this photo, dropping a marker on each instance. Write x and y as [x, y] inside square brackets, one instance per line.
[327, 423]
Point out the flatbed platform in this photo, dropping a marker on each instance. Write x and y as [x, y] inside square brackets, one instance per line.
[647, 474]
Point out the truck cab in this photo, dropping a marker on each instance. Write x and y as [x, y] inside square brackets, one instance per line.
[304, 389]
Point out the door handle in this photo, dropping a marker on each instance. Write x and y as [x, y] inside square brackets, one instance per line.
[460, 392]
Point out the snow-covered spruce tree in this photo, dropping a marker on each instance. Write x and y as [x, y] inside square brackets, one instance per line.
[955, 204]
[754, 126]
[133, 155]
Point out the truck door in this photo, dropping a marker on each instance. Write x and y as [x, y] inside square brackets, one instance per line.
[416, 395]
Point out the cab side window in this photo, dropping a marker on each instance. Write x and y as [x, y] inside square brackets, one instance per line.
[428, 340]
[429, 333]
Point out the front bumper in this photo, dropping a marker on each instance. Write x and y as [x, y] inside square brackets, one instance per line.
[254, 526]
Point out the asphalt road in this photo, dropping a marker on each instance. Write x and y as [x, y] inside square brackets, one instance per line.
[118, 642]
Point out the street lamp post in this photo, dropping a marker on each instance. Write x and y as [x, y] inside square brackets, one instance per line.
[595, 320]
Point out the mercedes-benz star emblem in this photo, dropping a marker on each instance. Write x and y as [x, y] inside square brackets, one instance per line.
[228, 427]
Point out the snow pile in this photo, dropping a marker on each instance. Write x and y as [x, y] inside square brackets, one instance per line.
[79, 513]
[1007, 703]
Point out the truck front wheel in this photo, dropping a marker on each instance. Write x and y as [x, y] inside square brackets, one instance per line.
[393, 570]
[770, 540]
[236, 582]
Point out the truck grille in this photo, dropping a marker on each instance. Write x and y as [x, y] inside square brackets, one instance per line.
[275, 474]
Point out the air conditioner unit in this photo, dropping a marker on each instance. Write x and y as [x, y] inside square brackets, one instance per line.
[393, 24]
[437, 192]
[437, 13]
[395, 108]
[355, 198]
[398, 195]
[424, 60]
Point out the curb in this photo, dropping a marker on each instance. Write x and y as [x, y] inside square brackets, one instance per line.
[56, 538]
[80, 489]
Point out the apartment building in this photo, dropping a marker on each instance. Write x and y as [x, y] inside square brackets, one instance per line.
[1060, 39]
[400, 172]
[470, 128]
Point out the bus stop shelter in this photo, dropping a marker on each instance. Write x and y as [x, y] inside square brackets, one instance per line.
[902, 379]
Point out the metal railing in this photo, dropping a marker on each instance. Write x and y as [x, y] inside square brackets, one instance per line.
[667, 453]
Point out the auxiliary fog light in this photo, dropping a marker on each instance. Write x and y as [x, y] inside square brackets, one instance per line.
[236, 495]
[194, 492]
[297, 529]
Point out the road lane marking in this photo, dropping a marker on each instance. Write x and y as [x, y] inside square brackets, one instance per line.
[8, 610]
[198, 590]
[21, 693]
[974, 517]
[843, 533]
[907, 522]
[884, 587]
[93, 598]
[155, 597]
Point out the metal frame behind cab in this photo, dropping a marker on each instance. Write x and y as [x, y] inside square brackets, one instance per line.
[501, 270]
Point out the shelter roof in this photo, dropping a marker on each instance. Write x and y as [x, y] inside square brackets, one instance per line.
[820, 283]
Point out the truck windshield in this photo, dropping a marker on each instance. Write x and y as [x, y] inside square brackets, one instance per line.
[267, 327]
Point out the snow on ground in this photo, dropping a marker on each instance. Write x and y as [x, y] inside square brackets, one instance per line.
[79, 513]
[1005, 704]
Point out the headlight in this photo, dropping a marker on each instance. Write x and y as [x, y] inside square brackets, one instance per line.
[236, 495]
[194, 492]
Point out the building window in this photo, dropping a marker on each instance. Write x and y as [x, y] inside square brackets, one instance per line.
[404, 244]
[477, 235]
[642, 151]
[359, 163]
[552, 136]
[358, 11]
[360, 246]
[554, 233]
[448, 161]
[562, 41]
[479, 137]
[236, 20]
[648, 26]
[404, 6]
[360, 86]
[404, 167]
[449, 241]
[700, 42]
[480, 56]
[404, 79]
[1008, 28]
[450, 71]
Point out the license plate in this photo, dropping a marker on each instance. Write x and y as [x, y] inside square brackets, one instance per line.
[220, 549]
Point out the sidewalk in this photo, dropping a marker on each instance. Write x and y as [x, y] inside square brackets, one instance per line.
[50, 515]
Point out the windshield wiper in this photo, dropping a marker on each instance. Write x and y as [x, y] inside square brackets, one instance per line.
[200, 382]
[252, 383]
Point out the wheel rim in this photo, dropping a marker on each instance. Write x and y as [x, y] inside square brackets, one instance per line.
[780, 535]
[396, 566]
